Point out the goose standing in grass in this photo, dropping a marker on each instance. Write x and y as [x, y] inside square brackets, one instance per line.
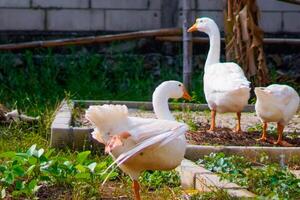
[276, 103]
[139, 144]
[225, 86]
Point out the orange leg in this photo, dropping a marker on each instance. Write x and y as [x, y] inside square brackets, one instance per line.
[280, 131]
[238, 128]
[213, 121]
[136, 190]
[264, 132]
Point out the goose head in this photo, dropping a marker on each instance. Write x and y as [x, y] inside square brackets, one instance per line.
[204, 24]
[165, 91]
[264, 94]
[172, 90]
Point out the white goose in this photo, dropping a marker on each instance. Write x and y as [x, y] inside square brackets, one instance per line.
[140, 144]
[225, 86]
[276, 103]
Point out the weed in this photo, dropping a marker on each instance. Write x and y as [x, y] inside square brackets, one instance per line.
[215, 195]
[157, 179]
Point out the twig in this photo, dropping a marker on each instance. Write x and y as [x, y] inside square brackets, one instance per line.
[15, 115]
[92, 39]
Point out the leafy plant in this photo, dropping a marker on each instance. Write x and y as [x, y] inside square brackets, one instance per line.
[23, 173]
[269, 181]
[157, 179]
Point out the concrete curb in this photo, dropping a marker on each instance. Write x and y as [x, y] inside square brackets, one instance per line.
[63, 133]
[146, 105]
[276, 154]
[197, 177]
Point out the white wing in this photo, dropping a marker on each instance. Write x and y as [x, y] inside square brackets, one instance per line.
[150, 133]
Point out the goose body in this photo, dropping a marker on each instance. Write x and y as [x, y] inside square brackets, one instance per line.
[226, 88]
[146, 134]
[153, 144]
[276, 103]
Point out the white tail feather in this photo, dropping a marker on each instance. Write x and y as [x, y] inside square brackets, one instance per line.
[161, 139]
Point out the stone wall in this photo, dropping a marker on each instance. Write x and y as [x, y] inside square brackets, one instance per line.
[129, 15]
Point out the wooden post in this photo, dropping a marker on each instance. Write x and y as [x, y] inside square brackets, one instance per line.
[187, 45]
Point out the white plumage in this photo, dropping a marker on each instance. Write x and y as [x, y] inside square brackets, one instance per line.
[276, 103]
[226, 88]
[154, 144]
[144, 150]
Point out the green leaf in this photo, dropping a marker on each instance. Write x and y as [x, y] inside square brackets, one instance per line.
[32, 186]
[8, 154]
[31, 150]
[22, 155]
[100, 166]
[19, 185]
[83, 175]
[80, 168]
[49, 152]
[81, 157]
[32, 160]
[30, 169]
[18, 170]
[9, 178]
[92, 166]
[3, 168]
[43, 159]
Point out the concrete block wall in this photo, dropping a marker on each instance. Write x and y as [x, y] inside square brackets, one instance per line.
[129, 15]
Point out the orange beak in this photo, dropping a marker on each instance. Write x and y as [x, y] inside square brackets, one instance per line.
[192, 29]
[186, 95]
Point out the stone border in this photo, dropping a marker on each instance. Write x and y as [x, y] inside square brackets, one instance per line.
[276, 154]
[197, 177]
[146, 105]
[63, 133]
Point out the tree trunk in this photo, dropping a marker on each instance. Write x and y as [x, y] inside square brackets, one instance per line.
[244, 39]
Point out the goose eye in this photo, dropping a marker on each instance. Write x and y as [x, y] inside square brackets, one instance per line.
[179, 85]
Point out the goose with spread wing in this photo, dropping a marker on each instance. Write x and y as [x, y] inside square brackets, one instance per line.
[139, 144]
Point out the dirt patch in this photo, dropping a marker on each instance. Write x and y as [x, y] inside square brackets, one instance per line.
[115, 190]
[225, 136]
[54, 192]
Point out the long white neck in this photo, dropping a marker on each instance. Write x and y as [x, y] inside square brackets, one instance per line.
[214, 48]
[160, 104]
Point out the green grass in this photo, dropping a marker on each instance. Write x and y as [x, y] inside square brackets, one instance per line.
[36, 81]
[36, 87]
[19, 137]
[28, 79]
[215, 195]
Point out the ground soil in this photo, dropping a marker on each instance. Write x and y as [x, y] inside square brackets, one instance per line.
[224, 135]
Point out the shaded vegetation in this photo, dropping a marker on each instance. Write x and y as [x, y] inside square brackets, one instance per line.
[47, 77]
